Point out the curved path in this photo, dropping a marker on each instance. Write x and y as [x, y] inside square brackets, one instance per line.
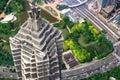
[98, 66]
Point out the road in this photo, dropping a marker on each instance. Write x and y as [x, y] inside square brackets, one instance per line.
[110, 61]
[8, 75]
[98, 66]
[84, 12]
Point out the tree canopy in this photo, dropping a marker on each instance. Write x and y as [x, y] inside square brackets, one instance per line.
[85, 41]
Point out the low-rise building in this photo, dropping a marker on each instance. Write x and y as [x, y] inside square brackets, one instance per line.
[69, 60]
[72, 16]
[9, 17]
[75, 19]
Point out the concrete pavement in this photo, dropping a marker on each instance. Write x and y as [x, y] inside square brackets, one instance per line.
[8, 75]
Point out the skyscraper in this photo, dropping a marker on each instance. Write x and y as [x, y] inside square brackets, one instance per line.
[37, 49]
[104, 6]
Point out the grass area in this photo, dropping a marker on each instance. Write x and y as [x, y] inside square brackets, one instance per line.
[94, 48]
[21, 18]
[51, 10]
[115, 72]
[83, 44]
[48, 16]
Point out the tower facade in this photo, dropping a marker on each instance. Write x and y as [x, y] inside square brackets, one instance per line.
[37, 49]
[105, 7]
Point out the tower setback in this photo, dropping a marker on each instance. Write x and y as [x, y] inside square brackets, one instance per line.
[37, 49]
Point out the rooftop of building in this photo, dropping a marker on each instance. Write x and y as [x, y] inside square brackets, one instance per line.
[116, 21]
[106, 5]
[9, 17]
[117, 18]
[69, 59]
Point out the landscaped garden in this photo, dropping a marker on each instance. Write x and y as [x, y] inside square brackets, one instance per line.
[51, 10]
[85, 41]
[48, 16]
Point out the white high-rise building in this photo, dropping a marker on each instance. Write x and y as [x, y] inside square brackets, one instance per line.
[37, 49]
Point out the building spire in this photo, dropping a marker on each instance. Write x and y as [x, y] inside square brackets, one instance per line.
[35, 16]
[34, 13]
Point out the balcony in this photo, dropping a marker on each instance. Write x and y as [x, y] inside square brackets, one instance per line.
[16, 54]
[25, 48]
[33, 69]
[19, 74]
[17, 62]
[17, 58]
[27, 70]
[28, 75]
[18, 68]
[16, 50]
[40, 74]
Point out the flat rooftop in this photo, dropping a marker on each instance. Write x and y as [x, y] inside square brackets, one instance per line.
[69, 59]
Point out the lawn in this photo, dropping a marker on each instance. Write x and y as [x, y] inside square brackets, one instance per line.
[21, 18]
[48, 16]
[93, 48]
[51, 10]
[83, 44]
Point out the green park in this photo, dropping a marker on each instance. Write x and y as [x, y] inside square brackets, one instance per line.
[85, 40]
